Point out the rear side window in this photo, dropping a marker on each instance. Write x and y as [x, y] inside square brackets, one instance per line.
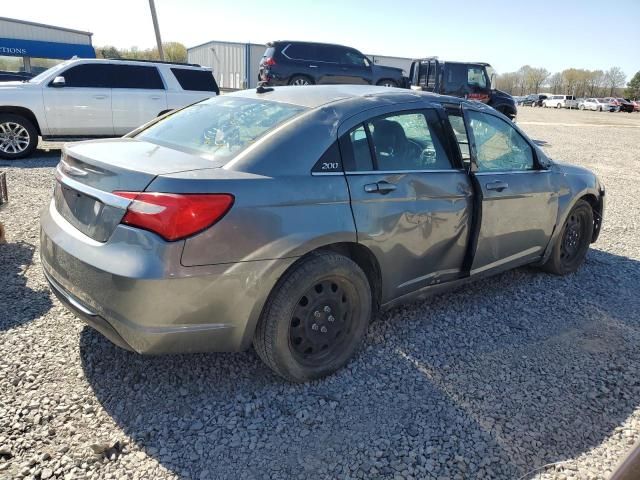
[219, 128]
[455, 77]
[197, 80]
[399, 142]
[300, 51]
[88, 75]
[136, 76]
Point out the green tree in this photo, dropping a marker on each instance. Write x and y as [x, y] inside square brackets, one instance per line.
[633, 87]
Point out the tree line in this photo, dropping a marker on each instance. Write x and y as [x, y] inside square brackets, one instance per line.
[173, 52]
[571, 81]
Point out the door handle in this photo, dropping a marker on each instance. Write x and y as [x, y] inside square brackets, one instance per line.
[498, 186]
[313, 66]
[155, 97]
[380, 187]
[99, 97]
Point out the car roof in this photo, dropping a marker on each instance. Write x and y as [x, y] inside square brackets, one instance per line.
[277, 42]
[319, 95]
[133, 61]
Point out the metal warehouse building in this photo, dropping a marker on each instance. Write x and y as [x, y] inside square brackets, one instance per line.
[32, 47]
[235, 65]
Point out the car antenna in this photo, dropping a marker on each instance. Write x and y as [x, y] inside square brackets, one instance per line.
[262, 88]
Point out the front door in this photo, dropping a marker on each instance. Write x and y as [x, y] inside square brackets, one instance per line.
[412, 206]
[82, 107]
[519, 203]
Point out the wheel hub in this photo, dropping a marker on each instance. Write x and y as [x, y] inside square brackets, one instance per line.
[14, 138]
[320, 321]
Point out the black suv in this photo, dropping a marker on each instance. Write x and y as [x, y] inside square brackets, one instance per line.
[533, 100]
[306, 63]
[470, 80]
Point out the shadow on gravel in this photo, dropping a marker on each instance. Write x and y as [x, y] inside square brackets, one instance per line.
[489, 381]
[40, 159]
[19, 304]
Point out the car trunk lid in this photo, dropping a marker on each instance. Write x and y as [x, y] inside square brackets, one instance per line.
[89, 173]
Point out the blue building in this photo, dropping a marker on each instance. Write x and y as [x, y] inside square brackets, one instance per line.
[27, 48]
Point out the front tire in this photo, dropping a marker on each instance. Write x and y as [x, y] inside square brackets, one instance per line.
[572, 245]
[315, 318]
[18, 137]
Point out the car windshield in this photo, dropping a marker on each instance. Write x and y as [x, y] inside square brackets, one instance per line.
[56, 68]
[219, 128]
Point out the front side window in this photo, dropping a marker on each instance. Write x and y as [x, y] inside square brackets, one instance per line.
[219, 128]
[399, 142]
[498, 146]
[476, 77]
[351, 57]
[88, 75]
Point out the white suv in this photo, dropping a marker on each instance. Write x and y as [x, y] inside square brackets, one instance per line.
[560, 101]
[89, 98]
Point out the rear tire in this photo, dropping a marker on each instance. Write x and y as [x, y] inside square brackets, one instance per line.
[315, 318]
[572, 244]
[18, 136]
[300, 81]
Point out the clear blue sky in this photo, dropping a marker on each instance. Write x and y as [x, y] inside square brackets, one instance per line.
[508, 34]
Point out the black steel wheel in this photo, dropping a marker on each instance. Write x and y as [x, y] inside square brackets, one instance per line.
[315, 318]
[572, 243]
[321, 320]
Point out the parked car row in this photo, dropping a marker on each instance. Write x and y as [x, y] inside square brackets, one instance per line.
[607, 104]
[308, 63]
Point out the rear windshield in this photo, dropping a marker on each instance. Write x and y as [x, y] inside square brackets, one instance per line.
[269, 52]
[219, 128]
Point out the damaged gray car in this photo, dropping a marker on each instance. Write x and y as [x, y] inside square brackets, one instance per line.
[284, 217]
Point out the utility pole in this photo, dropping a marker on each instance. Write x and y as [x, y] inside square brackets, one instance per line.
[154, 16]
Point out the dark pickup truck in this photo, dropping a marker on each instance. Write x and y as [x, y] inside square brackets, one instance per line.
[470, 80]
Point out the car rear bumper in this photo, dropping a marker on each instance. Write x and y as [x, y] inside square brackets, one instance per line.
[134, 291]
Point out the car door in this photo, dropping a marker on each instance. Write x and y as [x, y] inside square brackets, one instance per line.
[519, 203]
[356, 68]
[327, 65]
[138, 95]
[82, 106]
[411, 199]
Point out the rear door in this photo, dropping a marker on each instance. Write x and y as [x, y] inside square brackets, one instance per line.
[138, 95]
[519, 201]
[82, 107]
[410, 198]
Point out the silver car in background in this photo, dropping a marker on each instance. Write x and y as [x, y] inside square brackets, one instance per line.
[595, 104]
[285, 217]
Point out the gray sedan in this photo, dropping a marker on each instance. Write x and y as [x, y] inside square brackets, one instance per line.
[285, 217]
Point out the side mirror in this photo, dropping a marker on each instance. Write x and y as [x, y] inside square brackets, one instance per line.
[58, 82]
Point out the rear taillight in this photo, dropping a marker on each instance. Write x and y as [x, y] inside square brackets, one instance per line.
[269, 62]
[175, 216]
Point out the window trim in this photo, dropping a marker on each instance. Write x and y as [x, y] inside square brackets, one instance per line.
[472, 146]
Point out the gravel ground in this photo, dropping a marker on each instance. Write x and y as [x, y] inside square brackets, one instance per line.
[491, 381]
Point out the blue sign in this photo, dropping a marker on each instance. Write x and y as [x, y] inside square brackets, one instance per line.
[14, 47]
